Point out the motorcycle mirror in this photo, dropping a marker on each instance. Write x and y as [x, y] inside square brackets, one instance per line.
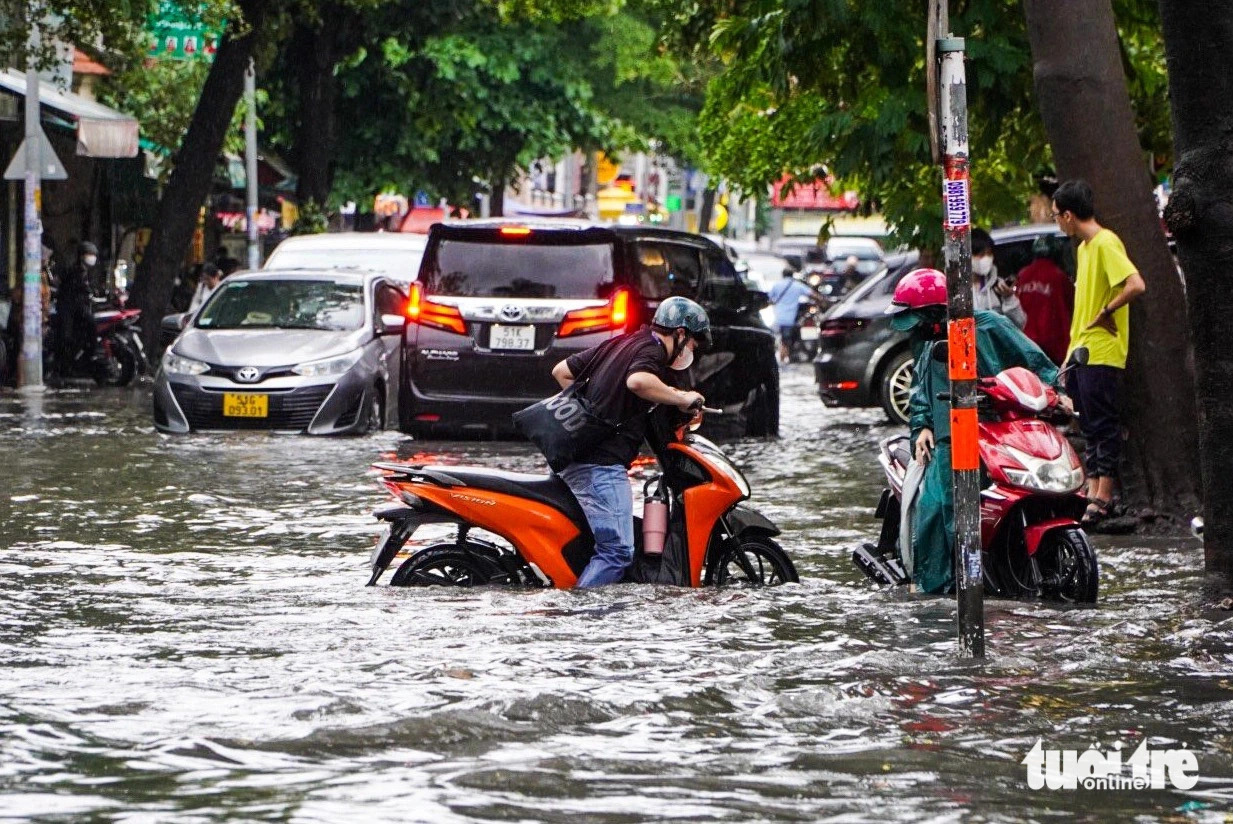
[1080, 356]
[941, 352]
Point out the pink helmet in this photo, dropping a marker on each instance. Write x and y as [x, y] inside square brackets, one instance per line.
[918, 289]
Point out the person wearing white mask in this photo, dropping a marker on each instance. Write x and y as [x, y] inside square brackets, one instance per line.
[74, 312]
[625, 378]
[989, 290]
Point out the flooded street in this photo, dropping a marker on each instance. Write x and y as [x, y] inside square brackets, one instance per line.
[185, 637]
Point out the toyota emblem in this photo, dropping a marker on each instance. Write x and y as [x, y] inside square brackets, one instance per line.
[511, 311]
[248, 374]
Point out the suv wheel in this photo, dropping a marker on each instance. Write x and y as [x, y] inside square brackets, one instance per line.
[897, 387]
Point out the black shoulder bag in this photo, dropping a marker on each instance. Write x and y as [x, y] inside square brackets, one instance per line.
[565, 424]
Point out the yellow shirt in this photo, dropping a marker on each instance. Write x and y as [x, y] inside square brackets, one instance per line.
[1102, 269]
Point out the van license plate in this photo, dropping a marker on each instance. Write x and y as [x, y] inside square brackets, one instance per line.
[512, 337]
[244, 405]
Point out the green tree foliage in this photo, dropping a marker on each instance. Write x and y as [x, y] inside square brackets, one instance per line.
[843, 85]
[117, 23]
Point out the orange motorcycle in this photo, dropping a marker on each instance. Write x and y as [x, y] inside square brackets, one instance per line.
[702, 535]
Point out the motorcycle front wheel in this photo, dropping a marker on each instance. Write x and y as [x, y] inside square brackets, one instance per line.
[1063, 569]
[758, 562]
[119, 368]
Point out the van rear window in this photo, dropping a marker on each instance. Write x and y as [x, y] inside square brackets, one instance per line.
[462, 268]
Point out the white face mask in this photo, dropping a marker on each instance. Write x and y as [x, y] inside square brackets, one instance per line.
[982, 265]
[683, 360]
[89, 260]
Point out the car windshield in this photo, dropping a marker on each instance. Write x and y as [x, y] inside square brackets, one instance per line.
[464, 268]
[401, 264]
[284, 304]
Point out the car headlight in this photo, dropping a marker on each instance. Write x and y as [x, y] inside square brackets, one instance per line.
[328, 366]
[174, 364]
[1057, 475]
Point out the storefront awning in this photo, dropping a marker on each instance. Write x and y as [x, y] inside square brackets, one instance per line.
[101, 131]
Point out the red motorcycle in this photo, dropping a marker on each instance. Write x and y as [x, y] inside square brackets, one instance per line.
[1030, 506]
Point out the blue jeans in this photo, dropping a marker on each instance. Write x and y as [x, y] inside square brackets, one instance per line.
[606, 499]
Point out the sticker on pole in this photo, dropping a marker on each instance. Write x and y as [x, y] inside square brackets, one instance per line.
[955, 193]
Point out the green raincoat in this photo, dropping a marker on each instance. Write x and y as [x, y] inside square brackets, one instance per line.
[999, 345]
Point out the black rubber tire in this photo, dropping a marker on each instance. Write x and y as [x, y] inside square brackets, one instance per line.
[443, 565]
[122, 368]
[1068, 567]
[895, 387]
[373, 413]
[770, 563]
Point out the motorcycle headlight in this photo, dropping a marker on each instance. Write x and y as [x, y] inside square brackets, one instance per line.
[328, 366]
[1057, 475]
[173, 364]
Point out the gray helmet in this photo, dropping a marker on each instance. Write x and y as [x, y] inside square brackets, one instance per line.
[682, 313]
[87, 248]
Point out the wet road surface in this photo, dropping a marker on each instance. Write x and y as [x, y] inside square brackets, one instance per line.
[185, 637]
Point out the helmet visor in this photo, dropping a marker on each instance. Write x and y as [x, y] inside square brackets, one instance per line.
[905, 321]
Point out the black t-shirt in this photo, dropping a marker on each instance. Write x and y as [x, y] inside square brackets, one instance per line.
[619, 358]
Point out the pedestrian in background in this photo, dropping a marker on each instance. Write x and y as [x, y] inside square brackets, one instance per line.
[207, 282]
[785, 297]
[1106, 282]
[1048, 298]
[990, 290]
[74, 311]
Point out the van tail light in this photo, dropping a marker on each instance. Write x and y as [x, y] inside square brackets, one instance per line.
[425, 312]
[613, 315]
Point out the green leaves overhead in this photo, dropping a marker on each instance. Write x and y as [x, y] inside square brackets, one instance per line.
[842, 84]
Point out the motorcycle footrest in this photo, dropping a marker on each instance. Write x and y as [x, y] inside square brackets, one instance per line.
[879, 568]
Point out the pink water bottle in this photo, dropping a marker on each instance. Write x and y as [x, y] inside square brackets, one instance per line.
[654, 525]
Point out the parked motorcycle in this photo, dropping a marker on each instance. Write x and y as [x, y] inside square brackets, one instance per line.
[120, 355]
[697, 532]
[1030, 507]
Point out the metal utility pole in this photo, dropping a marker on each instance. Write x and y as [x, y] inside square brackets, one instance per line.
[961, 335]
[30, 368]
[250, 163]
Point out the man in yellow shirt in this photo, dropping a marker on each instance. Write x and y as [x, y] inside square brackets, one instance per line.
[1105, 284]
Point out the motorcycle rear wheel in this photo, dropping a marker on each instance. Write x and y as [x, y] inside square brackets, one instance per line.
[444, 565]
[768, 565]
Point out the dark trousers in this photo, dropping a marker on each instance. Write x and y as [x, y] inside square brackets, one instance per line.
[1095, 391]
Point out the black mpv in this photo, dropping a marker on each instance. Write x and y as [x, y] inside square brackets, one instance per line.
[498, 303]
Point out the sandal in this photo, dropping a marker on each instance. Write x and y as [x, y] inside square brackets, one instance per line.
[1097, 510]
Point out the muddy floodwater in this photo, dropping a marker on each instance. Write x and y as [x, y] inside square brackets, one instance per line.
[185, 637]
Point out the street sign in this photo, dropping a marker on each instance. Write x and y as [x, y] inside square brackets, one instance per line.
[50, 167]
[178, 34]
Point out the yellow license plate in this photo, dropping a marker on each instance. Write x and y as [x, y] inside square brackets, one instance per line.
[243, 405]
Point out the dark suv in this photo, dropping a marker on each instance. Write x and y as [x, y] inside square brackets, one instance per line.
[498, 304]
[861, 361]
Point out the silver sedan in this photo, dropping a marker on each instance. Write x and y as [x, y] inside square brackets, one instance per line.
[301, 350]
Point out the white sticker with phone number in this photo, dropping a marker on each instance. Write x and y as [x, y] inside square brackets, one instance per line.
[955, 192]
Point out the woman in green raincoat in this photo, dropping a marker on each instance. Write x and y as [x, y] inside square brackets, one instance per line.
[919, 307]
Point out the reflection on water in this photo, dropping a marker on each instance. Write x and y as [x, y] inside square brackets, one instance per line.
[184, 636]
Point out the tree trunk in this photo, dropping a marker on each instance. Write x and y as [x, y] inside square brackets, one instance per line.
[315, 49]
[1086, 110]
[191, 178]
[1199, 47]
[496, 202]
[707, 212]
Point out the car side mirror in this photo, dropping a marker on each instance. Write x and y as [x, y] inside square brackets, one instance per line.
[176, 322]
[756, 300]
[392, 325]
